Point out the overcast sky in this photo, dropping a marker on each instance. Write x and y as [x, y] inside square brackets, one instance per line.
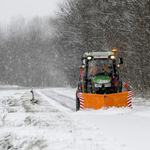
[26, 8]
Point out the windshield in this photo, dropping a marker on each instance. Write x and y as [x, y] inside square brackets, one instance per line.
[100, 67]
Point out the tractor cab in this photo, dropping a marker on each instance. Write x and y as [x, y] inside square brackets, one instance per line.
[100, 67]
[100, 73]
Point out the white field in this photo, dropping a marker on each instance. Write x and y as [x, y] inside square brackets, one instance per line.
[53, 124]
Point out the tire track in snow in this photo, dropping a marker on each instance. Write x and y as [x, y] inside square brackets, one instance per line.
[63, 100]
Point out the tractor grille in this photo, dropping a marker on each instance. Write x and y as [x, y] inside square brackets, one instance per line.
[105, 84]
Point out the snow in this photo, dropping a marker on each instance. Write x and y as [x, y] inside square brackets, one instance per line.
[51, 124]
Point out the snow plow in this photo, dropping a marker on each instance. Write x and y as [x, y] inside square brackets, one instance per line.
[99, 85]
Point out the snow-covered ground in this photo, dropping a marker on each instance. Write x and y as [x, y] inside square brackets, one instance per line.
[53, 124]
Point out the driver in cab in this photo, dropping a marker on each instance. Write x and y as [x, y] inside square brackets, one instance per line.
[98, 67]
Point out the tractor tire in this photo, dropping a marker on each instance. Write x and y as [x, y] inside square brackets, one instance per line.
[120, 86]
[77, 103]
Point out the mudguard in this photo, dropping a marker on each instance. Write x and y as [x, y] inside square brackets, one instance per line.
[98, 101]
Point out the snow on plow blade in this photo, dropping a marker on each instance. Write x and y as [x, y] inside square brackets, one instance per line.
[98, 101]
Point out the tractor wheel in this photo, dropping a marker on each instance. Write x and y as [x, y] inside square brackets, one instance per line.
[77, 103]
[120, 86]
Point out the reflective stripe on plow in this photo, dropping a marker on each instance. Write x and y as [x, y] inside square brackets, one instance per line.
[80, 96]
[129, 98]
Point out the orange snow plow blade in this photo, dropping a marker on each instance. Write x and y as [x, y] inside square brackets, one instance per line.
[98, 101]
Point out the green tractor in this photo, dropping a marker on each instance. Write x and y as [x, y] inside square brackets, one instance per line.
[98, 76]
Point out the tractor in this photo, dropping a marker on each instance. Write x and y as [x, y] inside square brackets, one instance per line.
[99, 84]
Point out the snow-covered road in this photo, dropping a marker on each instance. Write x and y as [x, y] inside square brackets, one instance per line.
[64, 100]
[53, 123]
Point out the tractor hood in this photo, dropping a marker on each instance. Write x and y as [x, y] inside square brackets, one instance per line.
[102, 79]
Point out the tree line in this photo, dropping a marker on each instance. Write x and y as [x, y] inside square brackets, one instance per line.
[27, 53]
[47, 51]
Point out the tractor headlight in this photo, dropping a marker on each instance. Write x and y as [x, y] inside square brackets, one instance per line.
[83, 67]
[112, 57]
[89, 57]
